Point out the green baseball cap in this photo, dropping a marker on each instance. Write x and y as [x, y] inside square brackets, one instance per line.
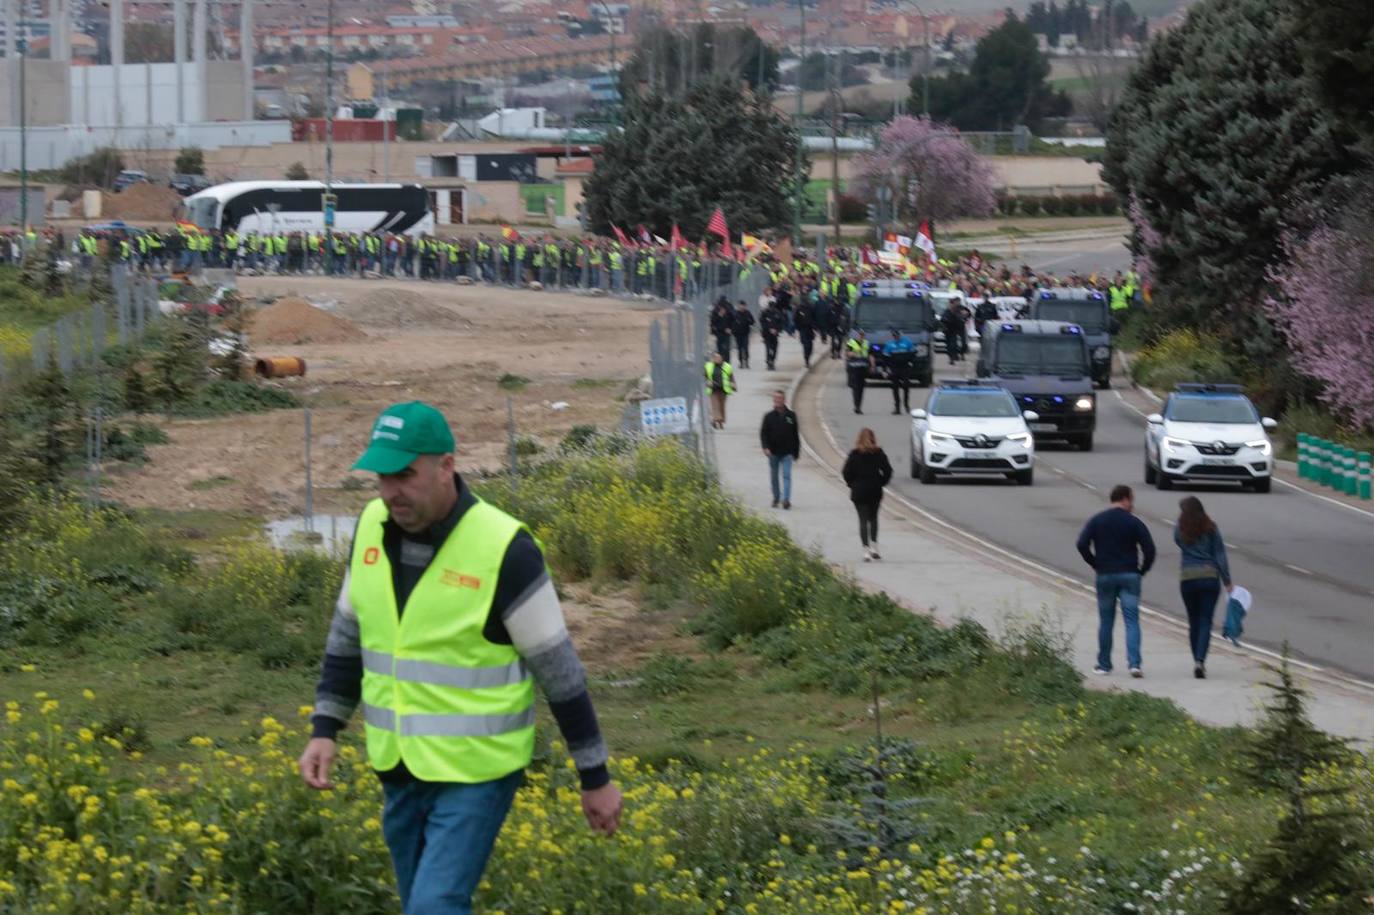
[403, 432]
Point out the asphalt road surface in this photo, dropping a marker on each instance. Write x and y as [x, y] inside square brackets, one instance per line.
[1309, 563]
[1084, 255]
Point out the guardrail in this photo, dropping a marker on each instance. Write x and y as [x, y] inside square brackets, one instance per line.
[1334, 466]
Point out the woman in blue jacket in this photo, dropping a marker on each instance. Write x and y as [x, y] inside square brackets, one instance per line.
[1203, 574]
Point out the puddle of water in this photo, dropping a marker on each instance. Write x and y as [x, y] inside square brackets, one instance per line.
[328, 533]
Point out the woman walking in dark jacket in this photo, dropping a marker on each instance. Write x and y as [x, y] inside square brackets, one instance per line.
[1204, 573]
[867, 470]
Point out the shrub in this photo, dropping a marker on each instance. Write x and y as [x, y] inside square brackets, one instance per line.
[763, 582]
[1182, 355]
[296, 171]
[222, 396]
[190, 161]
[98, 168]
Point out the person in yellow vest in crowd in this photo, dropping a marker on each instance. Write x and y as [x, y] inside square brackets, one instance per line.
[617, 261]
[720, 384]
[858, 362]
[445, 620]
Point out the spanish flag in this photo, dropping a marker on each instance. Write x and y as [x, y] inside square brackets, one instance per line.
[509, 234]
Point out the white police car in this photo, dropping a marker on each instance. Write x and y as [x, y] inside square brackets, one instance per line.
[1209, 433]
[972, 427]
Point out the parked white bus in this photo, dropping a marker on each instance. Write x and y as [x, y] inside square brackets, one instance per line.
[298, 206]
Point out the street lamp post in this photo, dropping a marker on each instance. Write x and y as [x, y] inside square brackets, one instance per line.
[610, 30]
[797, 162]
[329, 135]
[925, 64]
[23, 46]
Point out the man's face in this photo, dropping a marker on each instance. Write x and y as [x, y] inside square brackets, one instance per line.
[779, 402]
[417, 496]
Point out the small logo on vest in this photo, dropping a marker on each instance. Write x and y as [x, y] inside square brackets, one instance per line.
[457, 579]
[371, 555]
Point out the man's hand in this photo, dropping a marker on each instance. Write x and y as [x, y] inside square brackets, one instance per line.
[316, 762]
[767, 453]
[602, 808]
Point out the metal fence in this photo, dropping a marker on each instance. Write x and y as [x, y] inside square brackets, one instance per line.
[77, 340]
[680, 343]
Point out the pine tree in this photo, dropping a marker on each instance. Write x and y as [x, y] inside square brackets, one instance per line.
[679, 157]
[1317, 860]
[56, 414]
[1220, 143]
[137, 399]
[233, 363]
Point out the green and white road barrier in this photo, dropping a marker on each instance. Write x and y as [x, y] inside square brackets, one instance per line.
[1335, 466]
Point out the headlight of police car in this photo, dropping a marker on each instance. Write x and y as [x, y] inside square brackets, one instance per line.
[1262, 446]
[936, 438]
[1101, 352]
[1174, 444]
[1083, 403]
[922, 349]
[1021, 438]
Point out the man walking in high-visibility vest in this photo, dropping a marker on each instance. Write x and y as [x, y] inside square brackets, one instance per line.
[446, 618]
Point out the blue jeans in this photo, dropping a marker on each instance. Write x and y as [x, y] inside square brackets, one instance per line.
[440, 836]
[783, 463]
[1200, 599]
[1111, 587]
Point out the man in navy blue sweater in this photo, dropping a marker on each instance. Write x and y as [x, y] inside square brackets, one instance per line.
[1120, 549]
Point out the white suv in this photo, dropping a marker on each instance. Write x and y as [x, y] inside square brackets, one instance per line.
[1209, 433]
[972, 427]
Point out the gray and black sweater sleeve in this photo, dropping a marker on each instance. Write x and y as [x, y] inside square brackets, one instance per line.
[525, 613]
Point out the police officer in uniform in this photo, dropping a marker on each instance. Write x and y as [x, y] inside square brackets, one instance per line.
[446, 619]
[858, 362]
[837, 323]
[771, 324]
[899, 353]
[804, 321]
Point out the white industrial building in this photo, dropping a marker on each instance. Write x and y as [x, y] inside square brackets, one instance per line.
[191, 100]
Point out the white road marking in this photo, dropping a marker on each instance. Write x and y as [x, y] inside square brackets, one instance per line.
[1044, 571]
[1299, 569]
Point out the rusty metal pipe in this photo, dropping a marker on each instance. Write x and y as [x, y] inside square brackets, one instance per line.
[279, 366]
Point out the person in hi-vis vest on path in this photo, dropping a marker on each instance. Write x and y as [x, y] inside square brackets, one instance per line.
[446, 618]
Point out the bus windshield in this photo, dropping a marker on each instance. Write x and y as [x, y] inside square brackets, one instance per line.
[204, 213]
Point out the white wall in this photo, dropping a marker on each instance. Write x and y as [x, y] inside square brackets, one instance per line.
[148, 94]
[52, 147]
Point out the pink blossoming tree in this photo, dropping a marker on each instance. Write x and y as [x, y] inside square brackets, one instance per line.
[1323, 302]
[931, 172]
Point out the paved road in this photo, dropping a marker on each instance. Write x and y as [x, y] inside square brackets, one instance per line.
[1083, 255]
[1310, 564]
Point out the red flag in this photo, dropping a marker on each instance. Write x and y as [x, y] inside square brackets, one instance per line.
[644, 236]
[619, 235]
[676, 239]
[717, 226]
[924, 241]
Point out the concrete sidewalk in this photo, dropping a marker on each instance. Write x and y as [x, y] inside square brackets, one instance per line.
[929, 565]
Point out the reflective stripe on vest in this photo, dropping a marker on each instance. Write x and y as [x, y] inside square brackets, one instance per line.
[437, 696]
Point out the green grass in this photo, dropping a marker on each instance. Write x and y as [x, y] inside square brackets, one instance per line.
[509, 382]
[736, 643]
[596, 383]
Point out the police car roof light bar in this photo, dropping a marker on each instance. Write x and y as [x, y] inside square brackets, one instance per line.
[1195, 387]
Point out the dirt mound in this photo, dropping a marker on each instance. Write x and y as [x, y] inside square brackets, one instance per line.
[143, 201]
[400, 308]
[294, 321]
